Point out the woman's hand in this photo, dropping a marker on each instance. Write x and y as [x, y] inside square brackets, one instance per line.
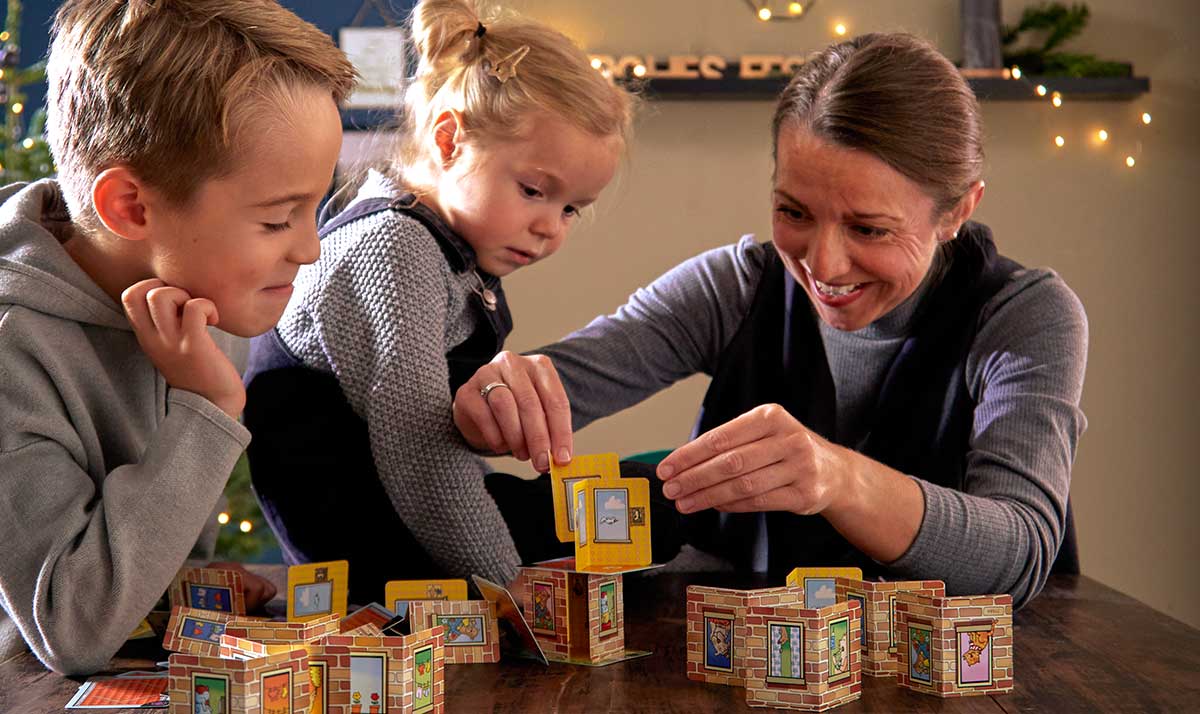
[528, 415]
[765, 460]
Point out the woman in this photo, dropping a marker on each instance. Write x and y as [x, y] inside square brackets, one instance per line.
[887, 391]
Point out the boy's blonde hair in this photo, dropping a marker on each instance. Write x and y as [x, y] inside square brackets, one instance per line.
[165, 87]
[460, 54]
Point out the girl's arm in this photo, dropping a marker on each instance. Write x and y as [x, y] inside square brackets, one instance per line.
[389, 310]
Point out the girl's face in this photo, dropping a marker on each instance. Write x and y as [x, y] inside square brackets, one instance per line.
[514, 200]
[856, 234]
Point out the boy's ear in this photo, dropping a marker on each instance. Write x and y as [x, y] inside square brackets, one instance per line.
[448, 135]
[120, 199]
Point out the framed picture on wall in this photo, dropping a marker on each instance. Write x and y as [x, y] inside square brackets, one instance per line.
[378, 55]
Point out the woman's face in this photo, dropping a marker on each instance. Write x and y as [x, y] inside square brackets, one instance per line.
[856, 234]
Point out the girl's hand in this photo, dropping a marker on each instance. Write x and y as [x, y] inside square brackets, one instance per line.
[529, 415]
[765, 460]
[170, 327]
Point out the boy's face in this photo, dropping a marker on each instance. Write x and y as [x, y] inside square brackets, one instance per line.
[242, 238]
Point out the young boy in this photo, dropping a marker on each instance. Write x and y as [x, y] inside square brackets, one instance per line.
[194, 140]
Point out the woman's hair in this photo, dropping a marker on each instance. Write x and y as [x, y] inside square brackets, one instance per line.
[896, 97]
[499, 73]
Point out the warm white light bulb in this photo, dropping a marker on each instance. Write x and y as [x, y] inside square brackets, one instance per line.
[1145, 117]
[1102, 135]
[222, 518]
[28, 143]
[245, 526]
[764, 14]
[1129, 161]
[1059, 141]
[795, 8]
[1041, 90]
[639, 70]
[596, 63]
[1056, 99]
[839, 29]
[1016, 72]
[18, 108]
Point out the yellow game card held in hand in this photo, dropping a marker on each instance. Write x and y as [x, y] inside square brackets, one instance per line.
[599, 467]
[316, 589]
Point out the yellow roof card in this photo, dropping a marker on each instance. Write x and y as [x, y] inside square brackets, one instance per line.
[317, 589]
[602, 467]
[398, 593]
[820, 590]
[612, 523]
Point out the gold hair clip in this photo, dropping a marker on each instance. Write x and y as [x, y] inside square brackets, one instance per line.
[506, 68]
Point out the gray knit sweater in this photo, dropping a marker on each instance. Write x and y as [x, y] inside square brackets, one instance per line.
[1025, 372]
[380, 309]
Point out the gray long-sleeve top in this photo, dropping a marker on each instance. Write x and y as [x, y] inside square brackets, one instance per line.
[1024, 371]
[380, 310]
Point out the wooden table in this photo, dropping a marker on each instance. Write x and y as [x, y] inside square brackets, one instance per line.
[1080, 647]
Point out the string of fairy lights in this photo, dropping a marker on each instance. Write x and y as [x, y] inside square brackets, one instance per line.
[1098, 137]
[768, 11]
[245, 526]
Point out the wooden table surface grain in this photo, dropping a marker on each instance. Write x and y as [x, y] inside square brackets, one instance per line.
[1080, 647]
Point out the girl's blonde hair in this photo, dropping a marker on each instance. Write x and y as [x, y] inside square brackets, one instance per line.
[498, 72]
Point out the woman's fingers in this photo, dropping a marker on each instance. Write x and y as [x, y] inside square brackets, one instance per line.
[730, 466]
[552, 415]
[529, 415]
[749, 488]
[747, 428]
[506, 410]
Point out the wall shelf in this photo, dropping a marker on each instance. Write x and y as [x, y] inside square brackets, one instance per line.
[731, 88]
[987, 89]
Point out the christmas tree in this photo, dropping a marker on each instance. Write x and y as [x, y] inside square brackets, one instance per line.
[24, 153]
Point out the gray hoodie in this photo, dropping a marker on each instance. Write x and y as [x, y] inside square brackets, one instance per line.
[108, 477]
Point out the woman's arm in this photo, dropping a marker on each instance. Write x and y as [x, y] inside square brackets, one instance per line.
[1025, 373]
[1001, 533]
[673, 328]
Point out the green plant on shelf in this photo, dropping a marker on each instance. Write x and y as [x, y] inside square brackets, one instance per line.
[1055, 23]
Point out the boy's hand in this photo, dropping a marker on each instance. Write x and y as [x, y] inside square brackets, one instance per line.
[170, 326]
[257, 590]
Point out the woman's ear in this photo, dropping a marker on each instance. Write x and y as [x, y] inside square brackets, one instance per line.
[962, 212]
[120, 201]
[448, 134]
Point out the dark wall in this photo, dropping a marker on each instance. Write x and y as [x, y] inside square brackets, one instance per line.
[329, 15]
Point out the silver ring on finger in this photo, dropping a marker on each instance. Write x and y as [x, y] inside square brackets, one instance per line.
[487, 389]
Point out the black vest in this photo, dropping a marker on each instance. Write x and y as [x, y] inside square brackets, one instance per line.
[922, 417]
[310, 457]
